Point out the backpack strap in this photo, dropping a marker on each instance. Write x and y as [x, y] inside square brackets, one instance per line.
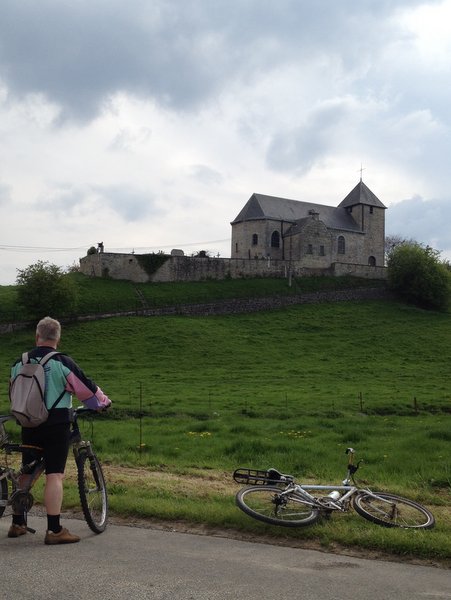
[47, 357]
[42, 362]
[57, 400]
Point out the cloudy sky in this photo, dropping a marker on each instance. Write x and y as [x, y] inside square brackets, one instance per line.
[147, 124]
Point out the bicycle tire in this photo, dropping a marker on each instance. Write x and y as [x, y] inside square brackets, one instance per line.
[265, 503]
[92, 491]
[3, 493]
[402, 512]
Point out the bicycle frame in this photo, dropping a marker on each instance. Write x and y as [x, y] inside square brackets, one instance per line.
[300, 493]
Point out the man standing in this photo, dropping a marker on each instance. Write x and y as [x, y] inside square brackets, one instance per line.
[63, 378]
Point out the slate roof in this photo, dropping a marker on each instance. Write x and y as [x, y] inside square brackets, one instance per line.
[260, 206]
[361, 194]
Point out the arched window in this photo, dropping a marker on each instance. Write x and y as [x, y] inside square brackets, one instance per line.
[372, 261]
[275, 239]
[341, 245]
[254, 239]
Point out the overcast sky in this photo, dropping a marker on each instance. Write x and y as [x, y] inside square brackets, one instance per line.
[148, 124]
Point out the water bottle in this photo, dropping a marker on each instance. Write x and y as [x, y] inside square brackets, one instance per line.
[335, 495]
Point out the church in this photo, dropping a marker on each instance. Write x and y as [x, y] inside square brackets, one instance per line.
[316, 236]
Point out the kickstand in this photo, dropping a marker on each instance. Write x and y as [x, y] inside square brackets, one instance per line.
[29, 529]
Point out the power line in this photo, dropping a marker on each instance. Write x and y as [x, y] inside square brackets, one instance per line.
[173, 245]
[9, 248]
[42, 248]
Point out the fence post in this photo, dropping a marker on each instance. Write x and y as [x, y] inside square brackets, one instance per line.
[361, 401]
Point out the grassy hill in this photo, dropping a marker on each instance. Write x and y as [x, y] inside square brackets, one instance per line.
[108, 295]
[290, 388]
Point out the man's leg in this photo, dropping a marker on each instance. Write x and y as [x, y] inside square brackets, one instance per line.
[53, 500]
[19, 522]
[53, 494]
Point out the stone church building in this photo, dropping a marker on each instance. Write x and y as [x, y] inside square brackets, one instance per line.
[312, 235]
[271, 237]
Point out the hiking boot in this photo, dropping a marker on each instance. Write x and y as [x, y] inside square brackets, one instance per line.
[17, 530]
[63, 537]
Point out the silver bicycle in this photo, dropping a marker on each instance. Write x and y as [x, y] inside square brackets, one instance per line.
[276, 498]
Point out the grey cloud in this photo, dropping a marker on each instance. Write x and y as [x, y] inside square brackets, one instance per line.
[128, 140]
[62, 199]
[129, 203]
[426, 221]
[178, 52]
[299, 148]
[5, 193]
[206, 175]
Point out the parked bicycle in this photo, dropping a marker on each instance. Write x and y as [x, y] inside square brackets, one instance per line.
[90, 479]
[276, 498]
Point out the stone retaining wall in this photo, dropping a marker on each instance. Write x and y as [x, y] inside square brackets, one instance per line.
[188, 268]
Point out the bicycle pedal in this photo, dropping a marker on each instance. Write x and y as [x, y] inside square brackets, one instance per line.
[31, 530]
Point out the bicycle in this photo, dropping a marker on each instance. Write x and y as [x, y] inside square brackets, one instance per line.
[276, 498]
[90, 479]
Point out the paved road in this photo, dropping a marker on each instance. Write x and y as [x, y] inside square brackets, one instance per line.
[133, 563]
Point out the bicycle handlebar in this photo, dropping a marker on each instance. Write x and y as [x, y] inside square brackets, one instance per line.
[93, 411]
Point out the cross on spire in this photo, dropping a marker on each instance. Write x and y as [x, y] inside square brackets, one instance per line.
[362, 168]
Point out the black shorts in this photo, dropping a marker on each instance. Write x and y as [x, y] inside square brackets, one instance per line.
[54, 439]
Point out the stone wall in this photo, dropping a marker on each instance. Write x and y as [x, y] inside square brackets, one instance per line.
[185, 268]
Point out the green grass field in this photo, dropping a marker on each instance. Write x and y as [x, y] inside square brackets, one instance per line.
[109, 295]
[289, 389]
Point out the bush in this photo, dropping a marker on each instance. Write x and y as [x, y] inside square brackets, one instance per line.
[45, 289]
[417, 274]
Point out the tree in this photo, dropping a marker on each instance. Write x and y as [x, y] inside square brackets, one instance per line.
[45, 289]
[393, 241]
[419, 276]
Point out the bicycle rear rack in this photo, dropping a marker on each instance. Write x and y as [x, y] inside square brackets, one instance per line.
[260, 477]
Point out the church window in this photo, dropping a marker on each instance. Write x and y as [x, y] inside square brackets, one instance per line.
[371, 210]
[372, 261]
[321, 251]
[254, 239]
[275, 239]
[341, 245]
[310, 249]
[236, 247]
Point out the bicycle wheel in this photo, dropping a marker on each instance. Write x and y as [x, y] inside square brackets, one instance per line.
[92, 490]
[269, 505]
[3, 494]
[391, 510]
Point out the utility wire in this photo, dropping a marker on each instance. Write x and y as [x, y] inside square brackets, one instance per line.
[8, 248]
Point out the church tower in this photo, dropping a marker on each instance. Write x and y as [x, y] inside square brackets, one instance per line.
[368, 213]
